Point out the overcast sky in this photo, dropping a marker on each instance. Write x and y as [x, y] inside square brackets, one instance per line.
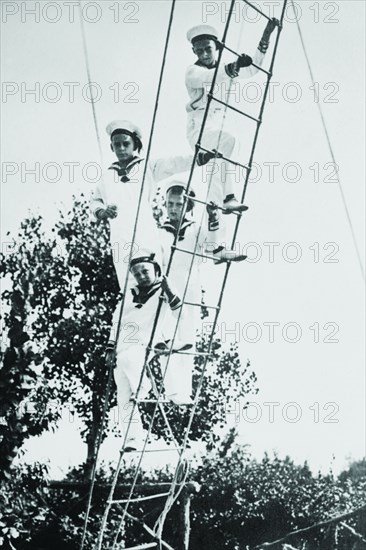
[302, 271]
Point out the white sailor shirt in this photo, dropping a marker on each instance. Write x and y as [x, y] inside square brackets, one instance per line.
[199, 79]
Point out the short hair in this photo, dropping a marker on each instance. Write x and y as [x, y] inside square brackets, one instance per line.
[136, 140]
[148, 260]
[206, 37]
[179, 190]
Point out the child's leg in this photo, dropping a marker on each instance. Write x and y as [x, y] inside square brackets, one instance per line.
[213, 137]
[127, 376]
[178, 377]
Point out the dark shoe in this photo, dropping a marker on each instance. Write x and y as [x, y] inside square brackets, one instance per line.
[204, 157]
[232, 206]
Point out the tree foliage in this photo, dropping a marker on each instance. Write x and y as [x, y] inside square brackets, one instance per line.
[243, 502]
[225, 380]
[248, 502]
[64, 290]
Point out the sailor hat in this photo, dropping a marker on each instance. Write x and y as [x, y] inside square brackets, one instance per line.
[200, 31]
[145, 256]
[125, 127]
[176, 180]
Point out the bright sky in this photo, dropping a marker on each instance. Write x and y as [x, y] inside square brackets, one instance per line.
[311, 403]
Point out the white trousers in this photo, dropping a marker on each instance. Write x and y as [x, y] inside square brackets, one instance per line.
[127, 377]
[221, 140]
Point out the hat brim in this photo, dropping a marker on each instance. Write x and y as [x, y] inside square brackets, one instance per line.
[203, 37]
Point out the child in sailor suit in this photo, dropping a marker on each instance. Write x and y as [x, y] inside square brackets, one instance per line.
[184, 271]
[198, 79]
[139, 312]
[117, 197]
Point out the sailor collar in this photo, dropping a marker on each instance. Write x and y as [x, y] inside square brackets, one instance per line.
[199, 64]
[142, 294]
[123, 172]
[170, 228]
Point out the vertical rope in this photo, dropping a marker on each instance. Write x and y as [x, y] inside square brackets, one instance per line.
[106, 513]
[201, 379]
[109, 380]
[330, 147]
[88, 72]
[160, 522]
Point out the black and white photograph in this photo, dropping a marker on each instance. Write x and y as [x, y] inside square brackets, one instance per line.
[182, 275]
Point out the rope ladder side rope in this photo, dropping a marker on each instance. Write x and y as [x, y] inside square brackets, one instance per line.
[155, 324]
[228, 266]
[173, 497]
[110, 367]
[156, 320]
[269, 74]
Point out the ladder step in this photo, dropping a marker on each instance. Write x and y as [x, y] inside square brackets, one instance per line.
[139, 499]
[268, 73]
[217, 259]
[193, 253]
[221, 156]
[257, 9]
[181, 352]
[197, 304]
[175, 449]
[214, 98]
[160, 401]
[143, 546]
[217, 207]
[198, 353]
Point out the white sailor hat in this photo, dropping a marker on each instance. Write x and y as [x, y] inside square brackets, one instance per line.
[176, 180]
[124, 126]
[145, 255]
[199, 31]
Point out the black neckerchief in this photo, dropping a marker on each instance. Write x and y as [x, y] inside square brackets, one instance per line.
[168, 226]
[123, 172]
[142, 294]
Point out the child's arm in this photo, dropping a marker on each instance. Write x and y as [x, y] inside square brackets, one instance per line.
[166, 167]
[100, 210]
[96, 203]
[165, 347]
[173, 300]
[244, 62]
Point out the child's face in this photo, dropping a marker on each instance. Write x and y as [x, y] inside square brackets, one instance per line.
[123, 147]
[205, 50]
[144, 273]
[174, 205]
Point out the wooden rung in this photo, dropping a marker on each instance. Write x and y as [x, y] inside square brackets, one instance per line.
[197, 304]
[255, 8]
[237, 54]
[230, 161]
[194, 253]
[160, 401]
[217, 207]
[139, 499]
[198, 353]
[177, 449]
[143, 546]
[181, 352]
[232, 108]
